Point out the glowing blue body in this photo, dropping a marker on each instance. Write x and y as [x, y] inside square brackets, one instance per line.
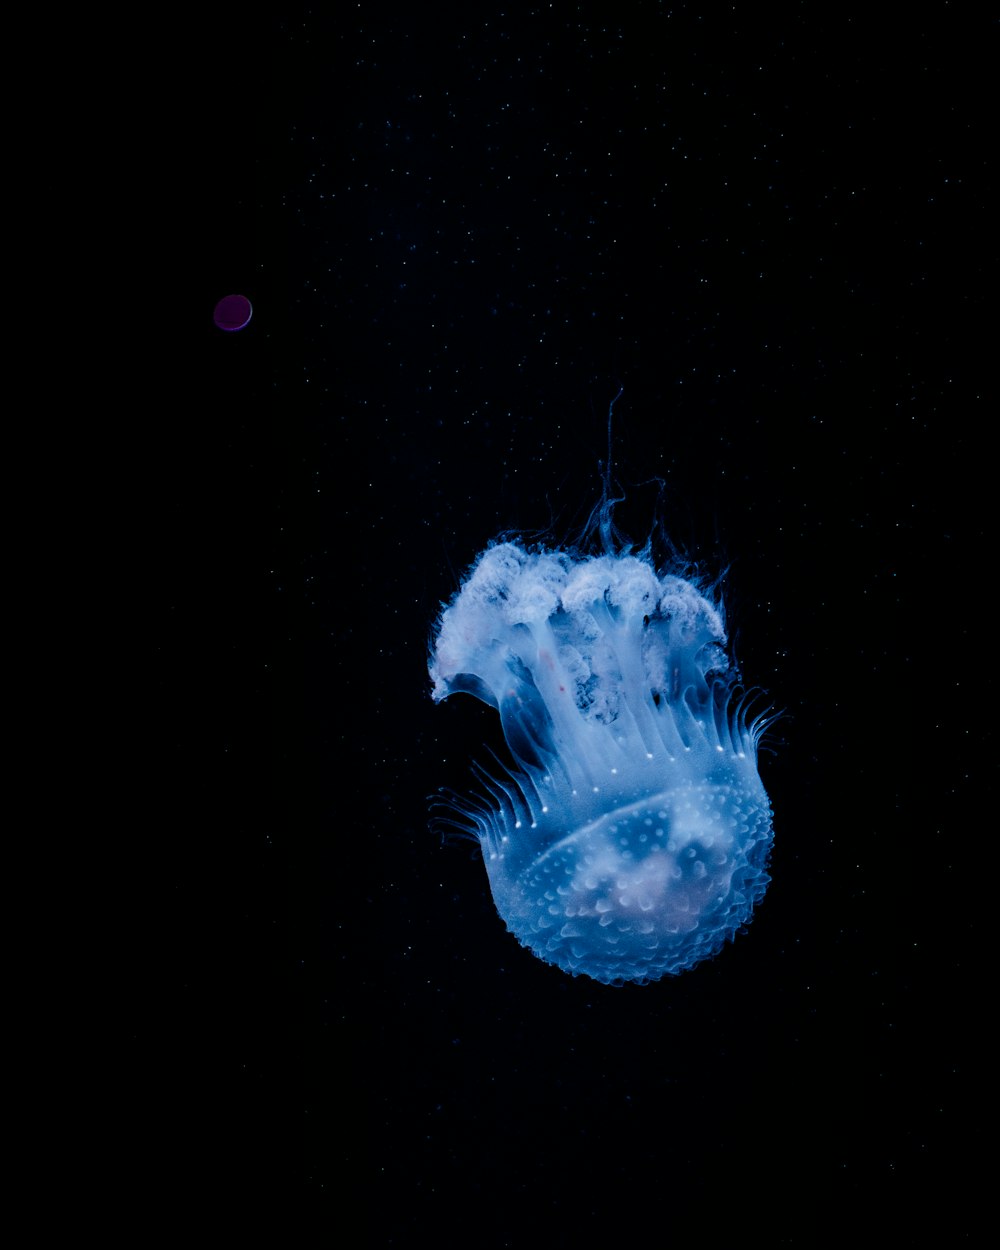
[631, 840]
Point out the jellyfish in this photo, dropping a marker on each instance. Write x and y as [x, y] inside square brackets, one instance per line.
[627, 836]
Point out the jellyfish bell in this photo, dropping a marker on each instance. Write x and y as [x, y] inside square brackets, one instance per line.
[628, 839]
[233, 312]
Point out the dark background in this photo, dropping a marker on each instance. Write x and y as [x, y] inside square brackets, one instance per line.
[461, 234]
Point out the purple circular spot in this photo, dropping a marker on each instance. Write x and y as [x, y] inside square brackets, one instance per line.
[233, 312]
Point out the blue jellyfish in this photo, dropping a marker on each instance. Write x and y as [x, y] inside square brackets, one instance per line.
[628, 839]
